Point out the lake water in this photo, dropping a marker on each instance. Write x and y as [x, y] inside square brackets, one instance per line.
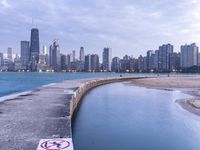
[123, 117]
[11, 82]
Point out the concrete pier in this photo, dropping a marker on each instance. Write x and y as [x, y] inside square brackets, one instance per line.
[44, 113]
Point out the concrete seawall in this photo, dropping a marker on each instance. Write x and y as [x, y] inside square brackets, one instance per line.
[44, 113]
[87, 86]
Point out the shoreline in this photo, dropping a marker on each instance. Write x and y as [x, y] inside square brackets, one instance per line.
[188, 106]
[45, 112]
[14, 95]
[186, 84]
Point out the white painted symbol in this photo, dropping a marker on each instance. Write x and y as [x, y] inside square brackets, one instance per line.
[55, 144]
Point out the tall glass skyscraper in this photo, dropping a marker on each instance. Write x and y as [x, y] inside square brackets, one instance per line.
[74, 55]
[54, 55]
[1, 59]
[34, 45]
[94, 62]
[9, 53]
[107, 59]
[25, 53]
[88, 62]
[82, 56]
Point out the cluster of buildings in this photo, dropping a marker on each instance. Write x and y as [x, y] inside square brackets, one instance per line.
[52, 59]
[162, 60]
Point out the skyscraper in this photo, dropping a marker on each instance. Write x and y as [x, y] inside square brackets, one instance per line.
[94, 62]
[189, 55]
[43, 57]
[165, 52]
[149, 60]
[9, 53]
[34, 45]
[63, 62]
[17, 63]
[25, 53]
[88, 63]
[82, 55]
[125, 63]
[199, 59]
[54, 55]
[107, 59]
[74, 55]
[44, 49]
[156, 60]
[116, 64]
[175, 61]
[1, 59]
[141, 63]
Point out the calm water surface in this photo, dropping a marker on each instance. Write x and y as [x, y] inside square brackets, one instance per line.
[123, 117]
[11, 82]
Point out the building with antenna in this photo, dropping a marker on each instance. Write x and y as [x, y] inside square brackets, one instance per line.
[34, 45]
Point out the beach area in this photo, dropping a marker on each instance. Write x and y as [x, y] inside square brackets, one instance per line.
[47, 112]
[186, 84]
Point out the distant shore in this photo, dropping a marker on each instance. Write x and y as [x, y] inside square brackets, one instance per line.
[187, 84]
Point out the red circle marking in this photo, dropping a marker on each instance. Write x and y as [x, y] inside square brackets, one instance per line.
[50, 147]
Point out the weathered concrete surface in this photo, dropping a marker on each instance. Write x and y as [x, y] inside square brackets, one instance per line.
[44, 113]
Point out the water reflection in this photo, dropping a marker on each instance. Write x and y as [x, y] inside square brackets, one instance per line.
[119, 116]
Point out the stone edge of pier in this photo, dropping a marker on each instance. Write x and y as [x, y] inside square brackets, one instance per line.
[89, 85]
[73, 92]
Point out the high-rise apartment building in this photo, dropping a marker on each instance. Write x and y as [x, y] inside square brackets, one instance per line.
[175, 61]
[189, 55]
[107, 59]
[156, 60]
[165, 52]
[150, 60]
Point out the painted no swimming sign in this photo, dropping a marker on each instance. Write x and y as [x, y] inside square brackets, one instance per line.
[55, 144]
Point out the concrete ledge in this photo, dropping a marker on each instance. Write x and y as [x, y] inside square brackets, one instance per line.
[87, 86]
[44, 113]
[80, 92]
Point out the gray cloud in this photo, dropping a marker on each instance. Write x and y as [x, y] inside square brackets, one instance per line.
[128, 26]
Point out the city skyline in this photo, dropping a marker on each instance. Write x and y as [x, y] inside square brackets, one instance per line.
[128, 27]
[164, 59]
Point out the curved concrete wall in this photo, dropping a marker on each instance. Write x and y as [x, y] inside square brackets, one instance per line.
[87, 86]
[68, 94]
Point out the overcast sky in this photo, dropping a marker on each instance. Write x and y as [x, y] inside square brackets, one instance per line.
[127, 26]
